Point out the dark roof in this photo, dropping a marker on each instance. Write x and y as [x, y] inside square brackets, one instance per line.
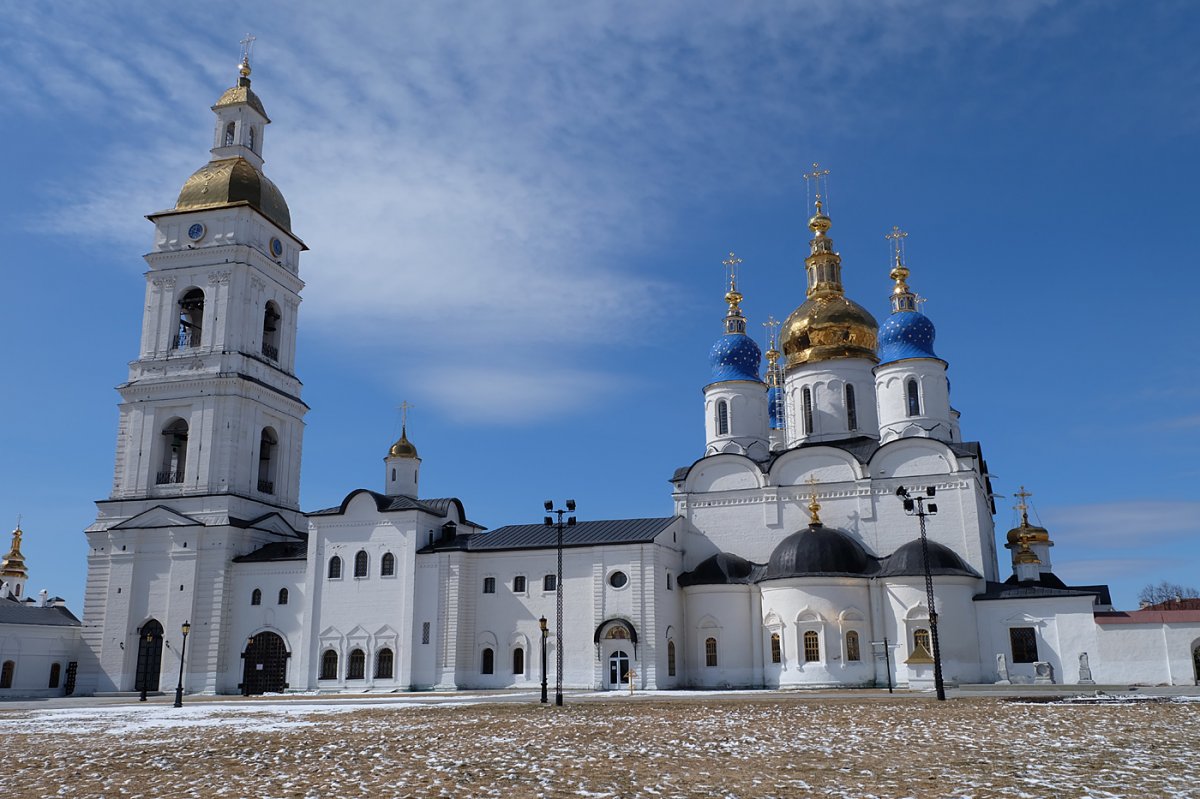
[819, 550]
[907, 561]
[276, 551]
[722, 568]
[388, 504]
[539, 536]
[14, 611]
[1035, 590]
[1147, 616]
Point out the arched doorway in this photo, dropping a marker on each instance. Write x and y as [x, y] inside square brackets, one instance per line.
[149, 656]
[265, 665]
[618, 669]
[1196, 661]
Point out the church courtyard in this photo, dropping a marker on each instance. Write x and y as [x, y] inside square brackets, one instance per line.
[605, 745]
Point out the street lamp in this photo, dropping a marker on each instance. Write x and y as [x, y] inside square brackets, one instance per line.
[558, 588]
[187, 628]
[915, 506]
[543, 626]
[246, 670]
[144, 657]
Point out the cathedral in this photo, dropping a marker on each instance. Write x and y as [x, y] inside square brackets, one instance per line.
[832, 483]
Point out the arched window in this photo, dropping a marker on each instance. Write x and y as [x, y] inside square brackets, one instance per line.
[518, 661]
[710, 651]
[921, 639]
[283, 596]
[776, 648]
[55, 674]
[174, 460]
[229, 129]
[328, 665]
[360, 564]
[806, 398]
[250, 139]
[914, 397]
[812, 646]
[853, 654]
[256, 596]
[357, 668]
[335, 568]
[722, 418]
[387, 565]
[670, 658]
[266, 460]
[6, 674]
[191, 320]
[487, 663]
[270, 331]
[851, 409]
[383, 664]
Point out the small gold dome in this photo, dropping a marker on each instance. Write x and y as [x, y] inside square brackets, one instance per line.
[403, 448]
[242, 94]
[826, 327]
[1036, 535]
[232, 181]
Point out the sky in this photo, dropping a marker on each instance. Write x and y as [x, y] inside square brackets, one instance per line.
[517, 214]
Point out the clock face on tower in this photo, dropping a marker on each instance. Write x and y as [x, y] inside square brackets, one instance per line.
[196, 231]
[276, 247]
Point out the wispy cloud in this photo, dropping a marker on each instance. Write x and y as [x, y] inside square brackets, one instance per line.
[1123, 525]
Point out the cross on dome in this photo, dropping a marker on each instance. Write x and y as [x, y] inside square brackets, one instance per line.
[813, 179]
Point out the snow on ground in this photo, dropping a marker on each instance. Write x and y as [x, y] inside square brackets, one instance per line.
[728, 745]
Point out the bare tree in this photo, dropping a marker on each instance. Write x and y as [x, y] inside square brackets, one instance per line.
[1166, 594]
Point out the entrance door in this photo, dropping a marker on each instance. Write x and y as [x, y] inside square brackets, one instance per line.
[1196, 662]
[265, 667]
[149, 657]
[618, 669]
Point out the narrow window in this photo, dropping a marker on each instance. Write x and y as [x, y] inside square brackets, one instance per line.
[518, 661]
[812, 646]
[357, 668]
[670, 582]
[852, 650]
[6, 674]
[489, 585]
[519, 584]
[387, 565]
[851, 409]
[175, 440]
[266, 460]
[488, 662]
[250, 139]
[335, 568]
[383, 664]
[776, 648]
[55, 674]
[425, 632]
[229, 134]
[710, 651]
[256, 597]
[329, 665]
[670, 658]
[283, 596]
[360, 564]
[270, 331]
[806, 396]
[914, 398]
[921, 640]
[191, 320]
[550, 582]
[722, 418]
[1024, 644]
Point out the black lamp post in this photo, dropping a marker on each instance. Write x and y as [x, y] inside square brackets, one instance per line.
[144, 657]
[246, 670]
[187, 628]
[544, 628]
[915, 506]
[558, 588]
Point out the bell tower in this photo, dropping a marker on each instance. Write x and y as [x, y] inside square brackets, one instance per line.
[211, 422]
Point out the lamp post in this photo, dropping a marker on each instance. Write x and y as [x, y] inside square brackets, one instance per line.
[558, 588]
[144, 657]
[544, 628]
[246, 670]
[187, 628]
[915, 506]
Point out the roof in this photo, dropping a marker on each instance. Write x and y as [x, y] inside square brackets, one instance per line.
[226, 182]
[14, 611]
[1032, 590]
[389, 504]
[1146, 616]
[242, 93]
[276, 551]
[723, 568]
[539, 536]
[908, 561]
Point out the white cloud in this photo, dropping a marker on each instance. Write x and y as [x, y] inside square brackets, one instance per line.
[1123, 525]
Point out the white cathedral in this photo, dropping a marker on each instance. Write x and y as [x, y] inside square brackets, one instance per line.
[788, 559]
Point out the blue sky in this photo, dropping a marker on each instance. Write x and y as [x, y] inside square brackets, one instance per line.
[517, 214]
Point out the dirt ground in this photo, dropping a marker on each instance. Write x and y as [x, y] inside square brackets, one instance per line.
[778, 746]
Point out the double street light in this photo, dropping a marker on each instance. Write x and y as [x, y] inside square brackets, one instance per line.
[915, 505]
[558, 587]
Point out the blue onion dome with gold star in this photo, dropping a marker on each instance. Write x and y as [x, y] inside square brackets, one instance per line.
[735, 356]
[907, 333]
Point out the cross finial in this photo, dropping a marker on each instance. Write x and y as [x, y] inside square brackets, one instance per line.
[1022, 505]
[404, 407]
[731, 265]
[247, 45]
[897, 237]
[814, 507]
[813, 179]
[772, 326]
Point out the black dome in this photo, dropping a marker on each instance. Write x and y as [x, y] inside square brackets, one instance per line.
[906, 561]
[722, 568]
[819, 550]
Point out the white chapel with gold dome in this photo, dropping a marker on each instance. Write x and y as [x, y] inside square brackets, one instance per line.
[784, 556]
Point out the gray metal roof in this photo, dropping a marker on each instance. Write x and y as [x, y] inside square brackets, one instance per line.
[276, 551]
[13, 611]
[1033, 590]
[384, 503]
[584, 534]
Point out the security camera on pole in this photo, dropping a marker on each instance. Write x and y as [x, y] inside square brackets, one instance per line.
[915, 506]
[558, 588]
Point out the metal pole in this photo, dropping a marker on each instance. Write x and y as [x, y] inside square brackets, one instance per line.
[558, 586]
[887, 661]
[182, 655]
[544, 699]
[933, 630]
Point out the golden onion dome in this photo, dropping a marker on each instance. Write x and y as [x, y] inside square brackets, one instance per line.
[1031, 532]
[234, 181]
[403, 448]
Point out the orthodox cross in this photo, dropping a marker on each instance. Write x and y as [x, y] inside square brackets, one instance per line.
[247, 45]
[816, 176]
[897, 237]
[731, 265]
[772, 325]
[813, 506]
[1022, 505]
[404, 408]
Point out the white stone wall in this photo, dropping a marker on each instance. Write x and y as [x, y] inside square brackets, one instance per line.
[33, 649]
[827, 381]
[934, 420]
[1064, 628]
[1147, 654]
[749, 423]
